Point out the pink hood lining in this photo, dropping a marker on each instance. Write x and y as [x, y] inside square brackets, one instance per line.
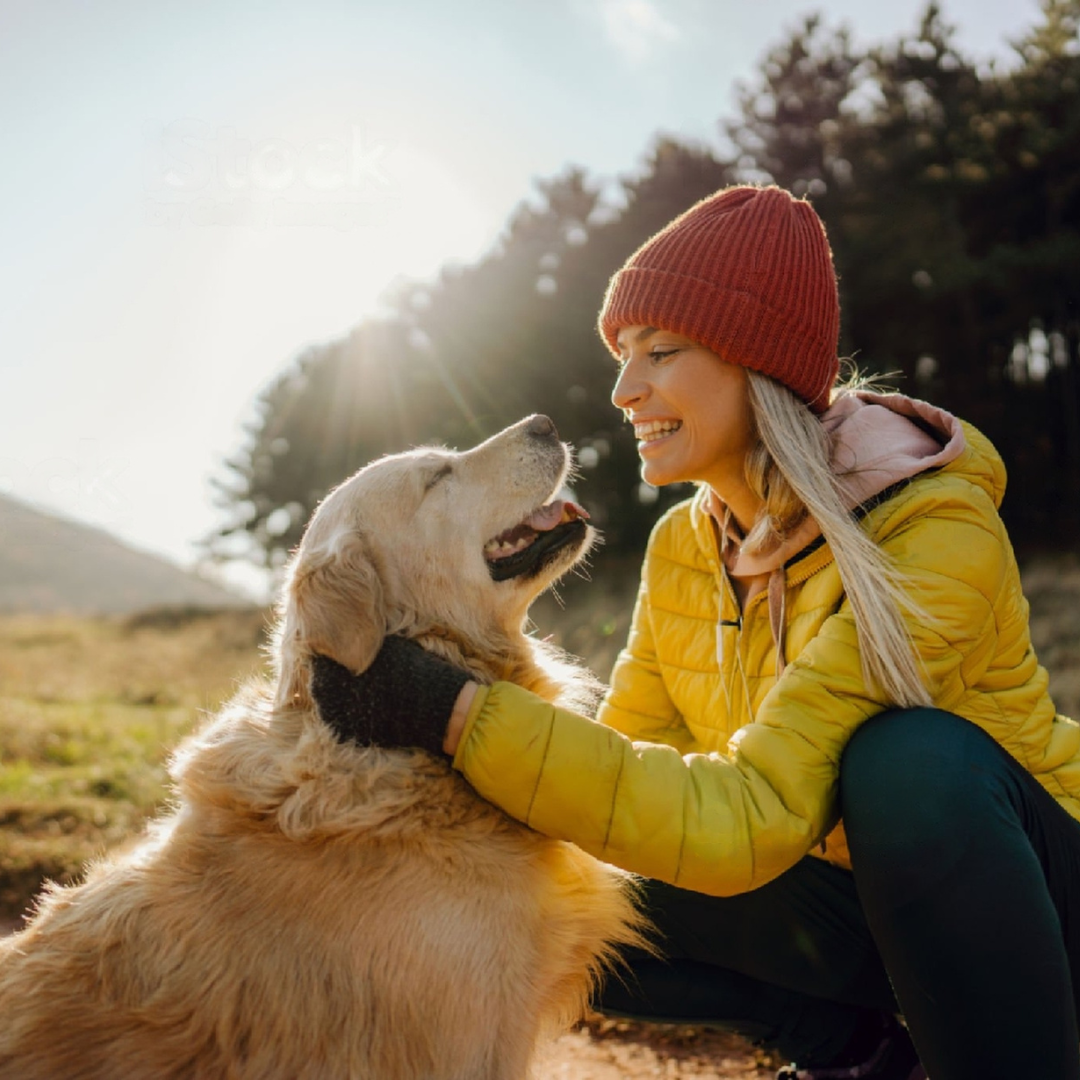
[877, 441]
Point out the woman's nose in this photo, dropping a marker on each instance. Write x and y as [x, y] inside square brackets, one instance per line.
[628, 388]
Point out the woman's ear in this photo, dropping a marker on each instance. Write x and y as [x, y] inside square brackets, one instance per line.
[334, 605]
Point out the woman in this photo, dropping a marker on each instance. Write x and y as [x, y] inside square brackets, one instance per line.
[828, 744]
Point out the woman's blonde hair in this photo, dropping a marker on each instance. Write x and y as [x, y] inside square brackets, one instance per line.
[790, 470]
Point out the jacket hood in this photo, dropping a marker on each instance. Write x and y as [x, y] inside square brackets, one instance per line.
[877, 440]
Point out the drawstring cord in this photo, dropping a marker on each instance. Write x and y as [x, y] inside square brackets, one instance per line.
[725, 624]
[777, 615]
[721, 626]
[735, 624]
[777, 597]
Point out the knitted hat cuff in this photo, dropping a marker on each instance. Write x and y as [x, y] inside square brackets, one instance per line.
[739, 326]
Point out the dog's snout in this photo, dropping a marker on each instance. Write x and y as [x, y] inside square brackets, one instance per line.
[542, 427]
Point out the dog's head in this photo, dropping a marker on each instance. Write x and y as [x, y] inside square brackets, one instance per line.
[433, 544]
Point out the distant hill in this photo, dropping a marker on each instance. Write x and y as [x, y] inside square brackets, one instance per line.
[51, 564]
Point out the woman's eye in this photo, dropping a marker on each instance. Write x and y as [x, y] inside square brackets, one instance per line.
[656, 356]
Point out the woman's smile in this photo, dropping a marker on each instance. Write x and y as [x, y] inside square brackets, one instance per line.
[688, 407]
[653, 431]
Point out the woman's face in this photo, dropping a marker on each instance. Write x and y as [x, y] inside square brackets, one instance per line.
[689, 408]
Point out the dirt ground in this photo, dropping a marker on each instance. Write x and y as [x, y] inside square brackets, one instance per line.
[618, 1050]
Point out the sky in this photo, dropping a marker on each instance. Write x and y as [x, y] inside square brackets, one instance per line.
[192, 192]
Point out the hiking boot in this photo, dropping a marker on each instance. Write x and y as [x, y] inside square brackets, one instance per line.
[892, 1057]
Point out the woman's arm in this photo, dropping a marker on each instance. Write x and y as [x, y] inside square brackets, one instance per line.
[724, 824]
[721, 823]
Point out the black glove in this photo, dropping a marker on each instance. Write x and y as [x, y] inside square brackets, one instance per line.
[403, 699]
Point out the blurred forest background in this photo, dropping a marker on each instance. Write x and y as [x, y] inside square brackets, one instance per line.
[951, 193]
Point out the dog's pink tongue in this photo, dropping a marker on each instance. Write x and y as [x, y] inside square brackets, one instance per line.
[555, 513]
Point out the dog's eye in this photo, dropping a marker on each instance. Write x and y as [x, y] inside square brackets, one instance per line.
[435, 477]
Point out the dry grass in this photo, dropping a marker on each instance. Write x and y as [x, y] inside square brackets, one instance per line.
[89, 711]
[90, 708]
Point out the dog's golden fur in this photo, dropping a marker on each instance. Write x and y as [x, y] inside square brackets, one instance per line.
[315, 910]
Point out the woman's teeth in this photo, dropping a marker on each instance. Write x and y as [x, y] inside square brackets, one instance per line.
[655, 429]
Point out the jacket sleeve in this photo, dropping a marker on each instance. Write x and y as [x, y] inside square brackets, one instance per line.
[724, 824]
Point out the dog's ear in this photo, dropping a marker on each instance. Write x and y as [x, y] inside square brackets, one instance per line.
[337, 606]
[333, 604]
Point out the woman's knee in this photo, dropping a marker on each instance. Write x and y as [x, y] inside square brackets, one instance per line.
[905, 782]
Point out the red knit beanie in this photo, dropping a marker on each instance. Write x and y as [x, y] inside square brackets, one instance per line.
[746, 272]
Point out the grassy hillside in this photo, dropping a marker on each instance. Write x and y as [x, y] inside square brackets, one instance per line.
[51, 564]
[90, 707]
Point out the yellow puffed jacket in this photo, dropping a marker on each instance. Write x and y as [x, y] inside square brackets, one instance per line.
[712, 765]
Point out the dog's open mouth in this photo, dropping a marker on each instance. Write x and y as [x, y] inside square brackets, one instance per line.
[531, 544]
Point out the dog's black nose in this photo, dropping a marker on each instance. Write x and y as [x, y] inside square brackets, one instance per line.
[543, 427]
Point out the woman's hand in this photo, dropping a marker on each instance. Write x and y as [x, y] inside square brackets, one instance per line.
[406, 698]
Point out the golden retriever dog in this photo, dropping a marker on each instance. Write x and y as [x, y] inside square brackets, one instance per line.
[316, 910]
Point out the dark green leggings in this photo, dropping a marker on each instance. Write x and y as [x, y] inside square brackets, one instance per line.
[962, 912]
